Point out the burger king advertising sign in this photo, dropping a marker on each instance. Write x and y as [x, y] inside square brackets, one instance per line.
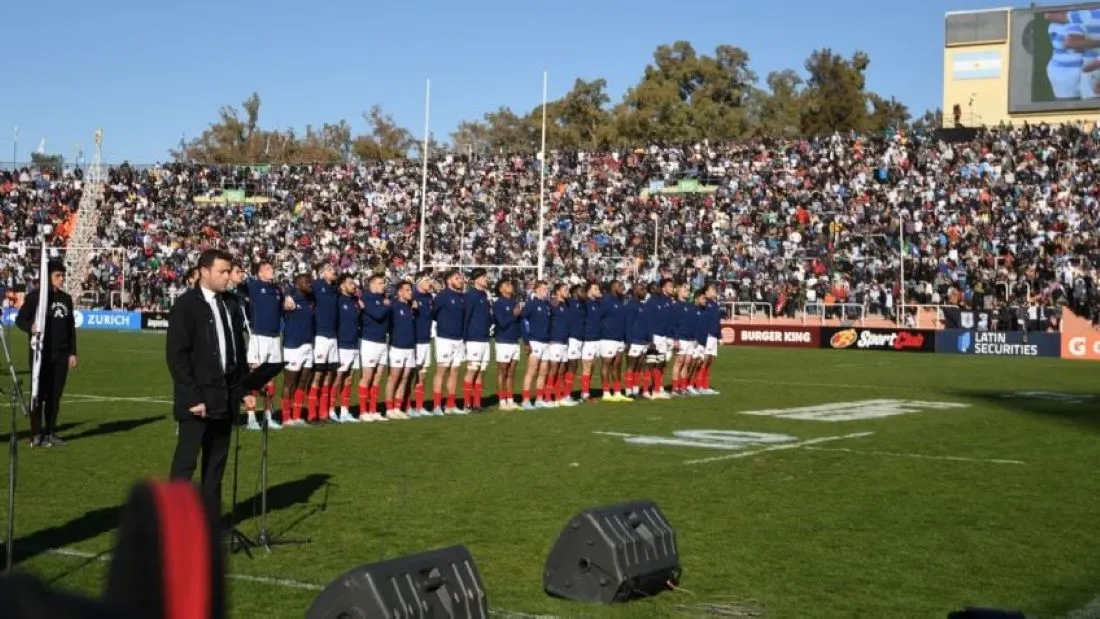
[857, 338]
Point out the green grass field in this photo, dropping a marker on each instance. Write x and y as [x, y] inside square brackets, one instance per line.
[991, 503]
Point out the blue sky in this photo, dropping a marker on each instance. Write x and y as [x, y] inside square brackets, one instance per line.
[149, 72]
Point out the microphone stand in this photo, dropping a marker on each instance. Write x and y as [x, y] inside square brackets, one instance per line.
[237, 540]
[266, 538]
[16, 403]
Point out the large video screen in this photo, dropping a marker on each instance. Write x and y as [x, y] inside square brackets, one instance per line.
[1055, 58]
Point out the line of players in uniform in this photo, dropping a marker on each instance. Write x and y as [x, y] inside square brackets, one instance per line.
[327, 329]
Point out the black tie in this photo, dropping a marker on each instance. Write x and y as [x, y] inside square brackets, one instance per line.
[227, 331]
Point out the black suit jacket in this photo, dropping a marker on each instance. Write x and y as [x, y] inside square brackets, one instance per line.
[194, 359]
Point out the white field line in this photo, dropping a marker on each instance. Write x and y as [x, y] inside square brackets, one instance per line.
[917, 456]
[265, 580]
[87, 397]
[806, 443]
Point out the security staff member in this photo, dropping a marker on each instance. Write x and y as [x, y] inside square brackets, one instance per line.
[205, 352]
[58, 353]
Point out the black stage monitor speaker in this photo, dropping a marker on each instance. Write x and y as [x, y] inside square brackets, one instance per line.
[437, 584]
[614, 554]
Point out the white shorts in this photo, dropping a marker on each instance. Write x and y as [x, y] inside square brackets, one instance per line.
[449, 353]
[507, 353]
[590, 350]
[663, 345]
[637, 350]
[573, 351]
[1064, 81]
[423, 355]
[264, 349]
[557, 352]
[1089, 84]
[711, 348]
[477, 353]
[610, 348]
[324, 350]
[402, 358]
[687, 348]
[540, 350]
[372, 354]
[348, 359]
[699, 351]
[299, 358]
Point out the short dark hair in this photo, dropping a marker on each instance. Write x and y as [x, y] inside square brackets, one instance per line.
[402, 284]
[210, 256]
[502, 282]
[376, 276]
[343, 278]
[191, 272]
[55, 266]
[476, 273]
[259, 265]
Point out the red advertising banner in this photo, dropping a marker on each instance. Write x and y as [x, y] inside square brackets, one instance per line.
[734, 334]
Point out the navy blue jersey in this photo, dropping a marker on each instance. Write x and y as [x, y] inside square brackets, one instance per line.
[536, 313]
[575, 309]
[327, 312]
[700, 323]
[506, 321]
[714, 319]
[423, 314]
[402, 326]
[638, 321]
[347, 324]
[593, 320]
[613, 318]
[448, 314]
[477, 316]
[265, 307]
[375, 319]
[298, 323]
[658, 315]
[684, 320]
[559, 323]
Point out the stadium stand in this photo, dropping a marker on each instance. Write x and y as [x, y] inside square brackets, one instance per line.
[1010, 215]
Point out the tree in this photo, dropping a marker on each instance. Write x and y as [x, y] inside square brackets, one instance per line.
[778, 112]
[385, 139]
[684, 96]
[43, 161]
[835, 97]
[887, 114]
[929, 121]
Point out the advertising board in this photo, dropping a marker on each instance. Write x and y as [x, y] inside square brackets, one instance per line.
[154, 321]
[859, 338]
[772, 336]
[107, 320]
[999, 344]
[1051, 67]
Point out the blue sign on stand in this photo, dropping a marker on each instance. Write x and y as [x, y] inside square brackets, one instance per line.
[107, 320]
[999, 343]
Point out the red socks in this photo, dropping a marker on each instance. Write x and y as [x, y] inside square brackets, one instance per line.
[526, 395]
[326, 401]
[437, 398]
[299, 398]
[629, 382]
[478, 387]
[658, 381]
[284, 407]
[345, 396]
[586, 383]
[373, 398]
[467, 394]
[364, 400]
[418, 394]
[452, 401]
[566, 390]
[311, 404]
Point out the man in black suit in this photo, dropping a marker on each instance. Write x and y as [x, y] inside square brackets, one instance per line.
[58, 353]
[206, 358]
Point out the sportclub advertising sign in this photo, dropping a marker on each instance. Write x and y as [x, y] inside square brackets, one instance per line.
[859, 338]
[771, 336]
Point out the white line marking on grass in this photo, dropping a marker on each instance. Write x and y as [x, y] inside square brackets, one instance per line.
[812, 441]
[916, 456]
[105, 557]
[88, 397]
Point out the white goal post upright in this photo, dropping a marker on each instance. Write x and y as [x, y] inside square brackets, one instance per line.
[99, 250]
[424, 172]
[542, 181]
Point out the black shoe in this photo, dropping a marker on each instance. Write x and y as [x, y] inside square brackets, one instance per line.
[54, 440]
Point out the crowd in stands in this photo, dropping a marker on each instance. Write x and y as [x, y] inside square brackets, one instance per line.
[1013, 213]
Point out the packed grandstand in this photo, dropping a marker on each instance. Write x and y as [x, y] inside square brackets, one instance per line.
[1006, 218]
